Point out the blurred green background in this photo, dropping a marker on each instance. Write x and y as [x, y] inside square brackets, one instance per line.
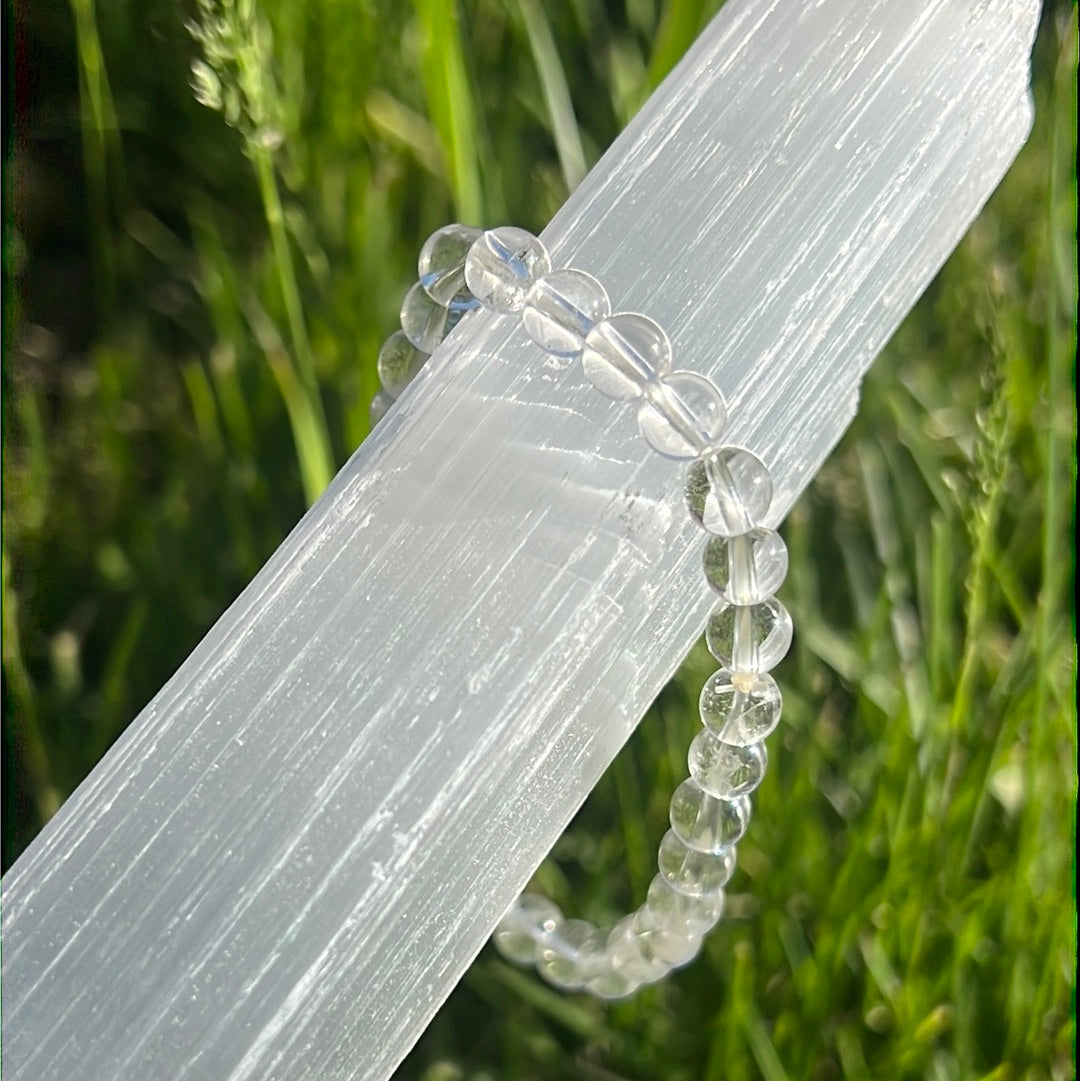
[200, 263]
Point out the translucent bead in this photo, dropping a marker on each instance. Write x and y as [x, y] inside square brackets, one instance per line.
[726, 770]
[399, 361]
[521, 931]
[747, 568]
[561, 308]
[681, 912]
[610, 984]
[728, 492]
[671, 946]
[624, 353]
[704, 822]
[380, 405]
[741, 708]
[571, 954]
[629, 959]
[442, 263]
[749, 637]
[426, 323]
[693, 872]
[683, 415]
[565, 973]
[502, 265]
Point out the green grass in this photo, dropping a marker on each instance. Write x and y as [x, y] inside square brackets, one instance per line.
[190, 352]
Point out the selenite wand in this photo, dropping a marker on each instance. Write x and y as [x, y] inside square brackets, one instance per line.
[288, 860]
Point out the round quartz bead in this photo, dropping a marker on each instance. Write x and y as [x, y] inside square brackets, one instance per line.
[561, 308]
[571, 954]
[669, 945]
[442, 264]
[565, 973]
[521, 931]
[749, 637]
[502, 265]
[728, 492]
[726, 770]
[683, 415]
[399, 361]
[704, 822]
[682, 912]
[380, 406]
[692, 872]
[748, 568]
[629, 959]
[624, 353]
[610, 984]
[426, 323]
[742, 708]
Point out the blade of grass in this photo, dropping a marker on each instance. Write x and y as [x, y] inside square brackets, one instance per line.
[761, 1047]
[941, 639]
[902, 621]
[24, 714]
[628, 79]
[395, 121]
[564, 126]
[207, 412]
[450, 99]
[632, 822]
[308, 420]
[203, 409]
[100, 142]
[727, 1058]
[680, 22]
[908, 414]
[114, 678]
[218, 284]
[494, 981]
[28, 408]
[849, 1049]
[308, 427]
[1057, 352]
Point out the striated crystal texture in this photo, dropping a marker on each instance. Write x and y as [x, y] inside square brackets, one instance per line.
[741, 708]
[704, 822]
[723, 769]
[624, 353]
[561, 308]
[748, 568]
[683, 415]
[502, 265]
[749, 637]
[441, 264]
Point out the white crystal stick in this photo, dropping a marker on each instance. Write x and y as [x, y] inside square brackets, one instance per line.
[288, 860]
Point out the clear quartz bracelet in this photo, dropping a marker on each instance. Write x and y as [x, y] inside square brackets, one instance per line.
[728, 490]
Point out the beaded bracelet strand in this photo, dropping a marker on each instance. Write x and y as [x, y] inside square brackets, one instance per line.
[728, 490]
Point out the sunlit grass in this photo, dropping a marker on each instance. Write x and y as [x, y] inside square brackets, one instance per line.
[904, 902]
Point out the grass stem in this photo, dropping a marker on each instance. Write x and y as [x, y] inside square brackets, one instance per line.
[312, 439]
